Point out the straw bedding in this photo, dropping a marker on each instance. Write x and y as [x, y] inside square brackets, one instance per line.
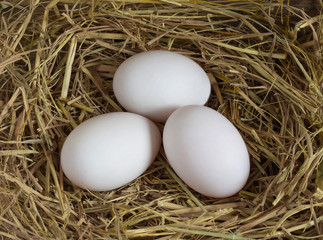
[264, 60]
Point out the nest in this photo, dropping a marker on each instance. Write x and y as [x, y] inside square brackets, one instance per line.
[264, 61]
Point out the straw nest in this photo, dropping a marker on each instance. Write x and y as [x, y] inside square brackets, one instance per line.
[264, 60]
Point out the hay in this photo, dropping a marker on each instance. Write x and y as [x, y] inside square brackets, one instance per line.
[264, 60]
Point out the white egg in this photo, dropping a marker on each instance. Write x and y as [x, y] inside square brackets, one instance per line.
[110, 150]
[155, 83]
[206, 151]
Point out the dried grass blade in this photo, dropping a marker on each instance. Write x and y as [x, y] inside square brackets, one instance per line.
[66, 114]
[9, 236]
[203, 233]
[9, 104]
[77, 105]
[68, 69]
[251, 51]
[17, 152]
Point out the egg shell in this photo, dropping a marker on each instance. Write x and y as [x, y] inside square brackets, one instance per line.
[206, 151]
[155, 83]
[110, 150]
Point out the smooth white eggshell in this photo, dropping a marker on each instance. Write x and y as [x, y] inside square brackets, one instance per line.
[206, 151]
[157, 82]
[110, 150]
